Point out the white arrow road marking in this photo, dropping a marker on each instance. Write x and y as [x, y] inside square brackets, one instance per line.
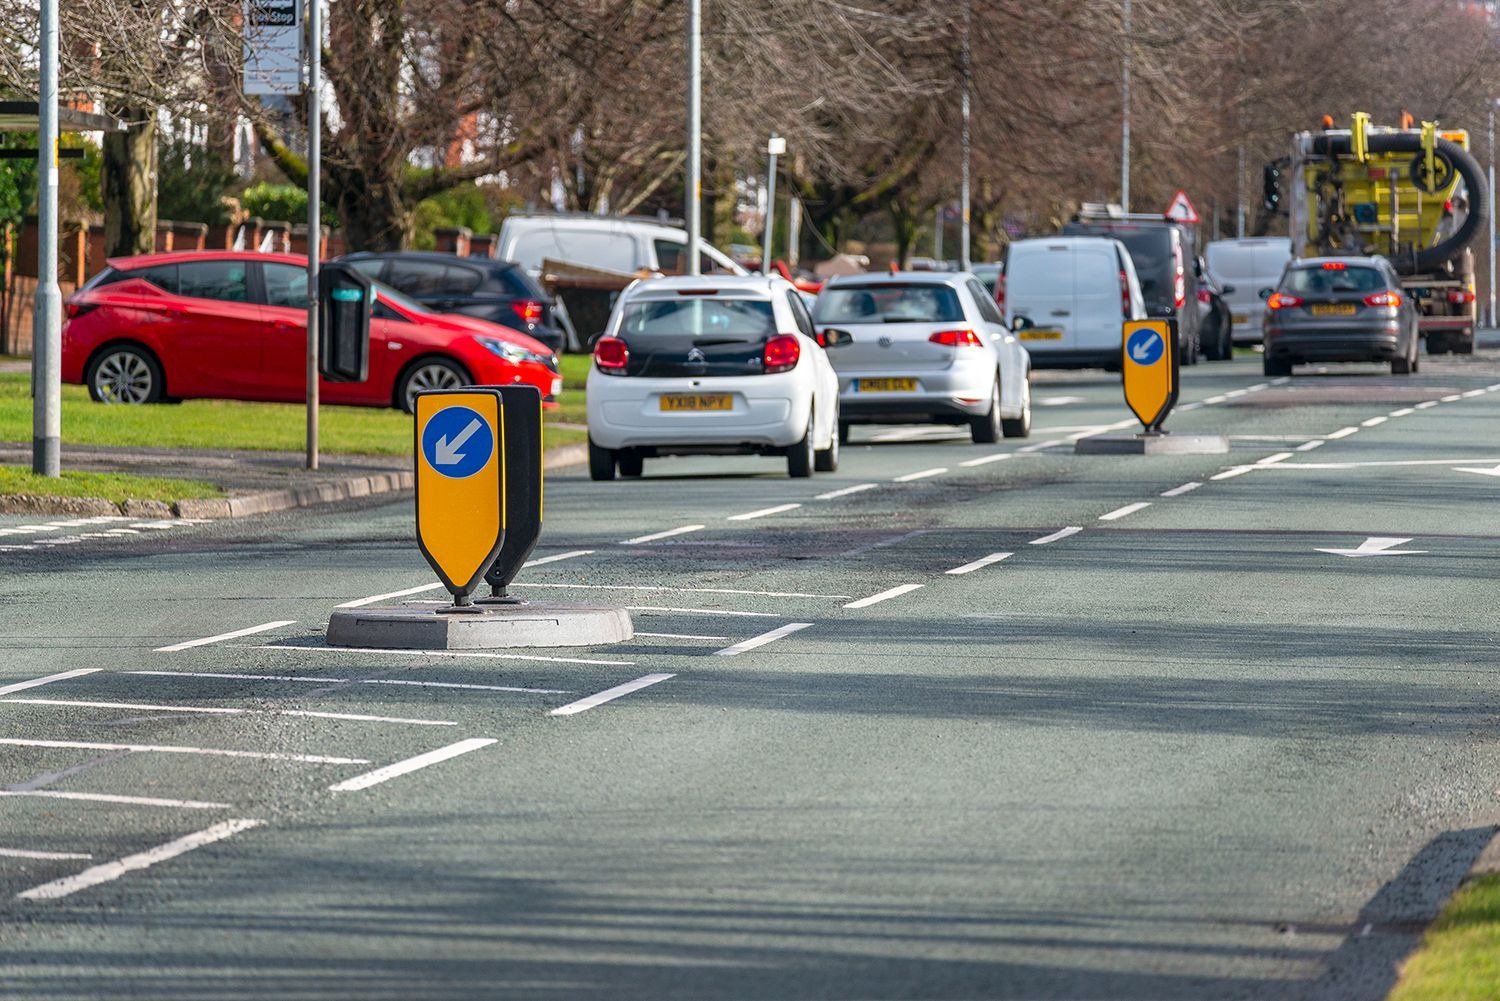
[1376, 545]
[448, 453]
[1481, 472]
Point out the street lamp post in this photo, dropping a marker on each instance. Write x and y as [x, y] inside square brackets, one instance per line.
[1125, 113]
[774, 148]
[695, 134]
[46, 327]
[314, 215]
[963, 241]
[1490, 253]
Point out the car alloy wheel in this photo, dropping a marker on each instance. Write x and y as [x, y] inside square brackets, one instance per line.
[827, 461]
[124, 376]
[428, 376]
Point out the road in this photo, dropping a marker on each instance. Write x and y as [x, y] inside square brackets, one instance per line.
[957, 721]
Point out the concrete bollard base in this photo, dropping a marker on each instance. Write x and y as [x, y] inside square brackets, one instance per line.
[1152, 444]
[490, 627]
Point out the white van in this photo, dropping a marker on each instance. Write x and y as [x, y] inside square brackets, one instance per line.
[1243, 268]
[607, 242]
[1074, 293]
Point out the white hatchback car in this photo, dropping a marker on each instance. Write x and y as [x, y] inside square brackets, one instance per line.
[714, 365]
[928, 347]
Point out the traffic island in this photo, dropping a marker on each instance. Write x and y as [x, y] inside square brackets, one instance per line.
[479, 626]
[1164, 443]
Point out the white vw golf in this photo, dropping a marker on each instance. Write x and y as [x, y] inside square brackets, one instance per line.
[717, 365]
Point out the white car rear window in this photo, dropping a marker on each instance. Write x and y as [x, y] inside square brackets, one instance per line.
[892, 302]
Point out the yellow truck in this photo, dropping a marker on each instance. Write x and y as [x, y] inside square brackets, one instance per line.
[1412, 195]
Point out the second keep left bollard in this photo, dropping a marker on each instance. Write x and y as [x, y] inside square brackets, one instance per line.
[521, 487]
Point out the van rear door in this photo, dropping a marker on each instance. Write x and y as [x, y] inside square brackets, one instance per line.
[1098, 310]
[1040, 285]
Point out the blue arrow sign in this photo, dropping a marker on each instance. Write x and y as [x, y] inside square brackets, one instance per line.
[1145, 347]
[457, 442]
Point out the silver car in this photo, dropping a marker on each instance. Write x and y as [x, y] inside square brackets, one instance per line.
[928, 347]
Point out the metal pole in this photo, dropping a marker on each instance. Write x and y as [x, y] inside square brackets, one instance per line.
[1239, 182]
[963, 246]
[314, 215]
[1125, 116]
[1490, 254]
[46, 326]
[937, 234]
[793, 228]
[765, 254]
[695, 135]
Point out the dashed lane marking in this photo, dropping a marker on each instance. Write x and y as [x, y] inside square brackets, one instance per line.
[45, 856]
[1271, 460]
[921, 474]
[669, 533]
[214, 752]
[354, 681]
[1041, 445]
[702, 611]
[846, 491]
[387, 772]
[755, 642]
[610, 694]
[980, 563]
[559, 556]
[681, 636]
[264, 627]
[1185, 488]
[1061, 533]
[985, 460]
[114, 870]
[1403, 412]
[1308, 446]
[1374, 421]
[99, 797]
[1126, 511]
[21, 686]
[1342, 433]
[763, 512]
[1231, 473]
[404, 592]
[886, 595]
[1426, 405]
[225, 711]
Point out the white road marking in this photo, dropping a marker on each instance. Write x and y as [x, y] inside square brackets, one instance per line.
[1342, 433]
[761, 640]
[1450, 398]
[553, 559]
[227, 711]
[691, 590]
[763, 512]
[922, 475]
[1385, 462]
[99, 797]
[846, 491]
[1308, 446]
[374, 598]
[387, 772]
[1426, 405]
[1257, 387]
[985, 460]
[886, 595]
[1061, 533]
[1122, 512]
[1494, 471]
[1215, 399]
[12, 549]
[1231, 473]
[446, 653]
[58, 856]
[1493, 388]
[701, 611]
[114, 870]
[610, 694]
[1039, 446]
[1472, 393]
[1374, 422]
[669, 533]
[1281, 381]
[353, 681]
[1235, 394]
[1185, 488]
[683, 636]
[207, 640]
[21, 686]
[216, 752]
[980, 563]
[1058, 401]
[1377, 545]
[1403, 412]
[1271, 460]
[1189, 406]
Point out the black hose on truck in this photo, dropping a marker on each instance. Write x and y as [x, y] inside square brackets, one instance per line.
[1451, 156]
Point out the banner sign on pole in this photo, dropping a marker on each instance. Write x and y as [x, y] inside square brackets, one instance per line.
[273, 46]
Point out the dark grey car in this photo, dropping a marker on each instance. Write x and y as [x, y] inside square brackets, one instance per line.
[1340, 309]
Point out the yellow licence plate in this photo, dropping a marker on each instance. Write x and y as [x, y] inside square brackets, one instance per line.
[1042, 334]
[885, 386]
[1333, 310]
[697, 401]
[1239, 319]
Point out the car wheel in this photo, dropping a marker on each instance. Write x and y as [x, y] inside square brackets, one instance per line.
[1020, 427]
[601, 462]
[985, 429]
[827, 461]
[428, 374]
[631, 463]
[1464, 343]
[844, 430]
[1275, 366]
[125, 374]
[801, 457]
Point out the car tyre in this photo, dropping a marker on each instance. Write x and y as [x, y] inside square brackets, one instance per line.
[801, 457]
[1463, 344]
[844, 431]
[827, 461]
[631, 463]
[1275, 366]
[601, 462]
[1020, 427]
[425, 374]
[985, 429]
[125, 373]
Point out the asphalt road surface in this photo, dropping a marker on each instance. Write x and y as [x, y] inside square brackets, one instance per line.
[957, 721]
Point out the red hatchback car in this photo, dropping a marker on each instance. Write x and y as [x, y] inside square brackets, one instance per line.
[233, 325]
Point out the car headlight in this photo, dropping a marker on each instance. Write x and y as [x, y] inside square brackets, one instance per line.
[514, 352]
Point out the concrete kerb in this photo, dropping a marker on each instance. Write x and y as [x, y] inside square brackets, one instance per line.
[265, 502]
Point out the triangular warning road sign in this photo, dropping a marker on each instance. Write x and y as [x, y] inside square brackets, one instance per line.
[1181, 208]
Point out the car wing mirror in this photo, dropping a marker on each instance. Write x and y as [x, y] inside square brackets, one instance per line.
[1265, 293]
[1020, 323]
[834, 338]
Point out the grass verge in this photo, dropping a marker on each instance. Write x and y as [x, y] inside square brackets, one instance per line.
[233, 425]
[115, 487]
[1459, 959]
